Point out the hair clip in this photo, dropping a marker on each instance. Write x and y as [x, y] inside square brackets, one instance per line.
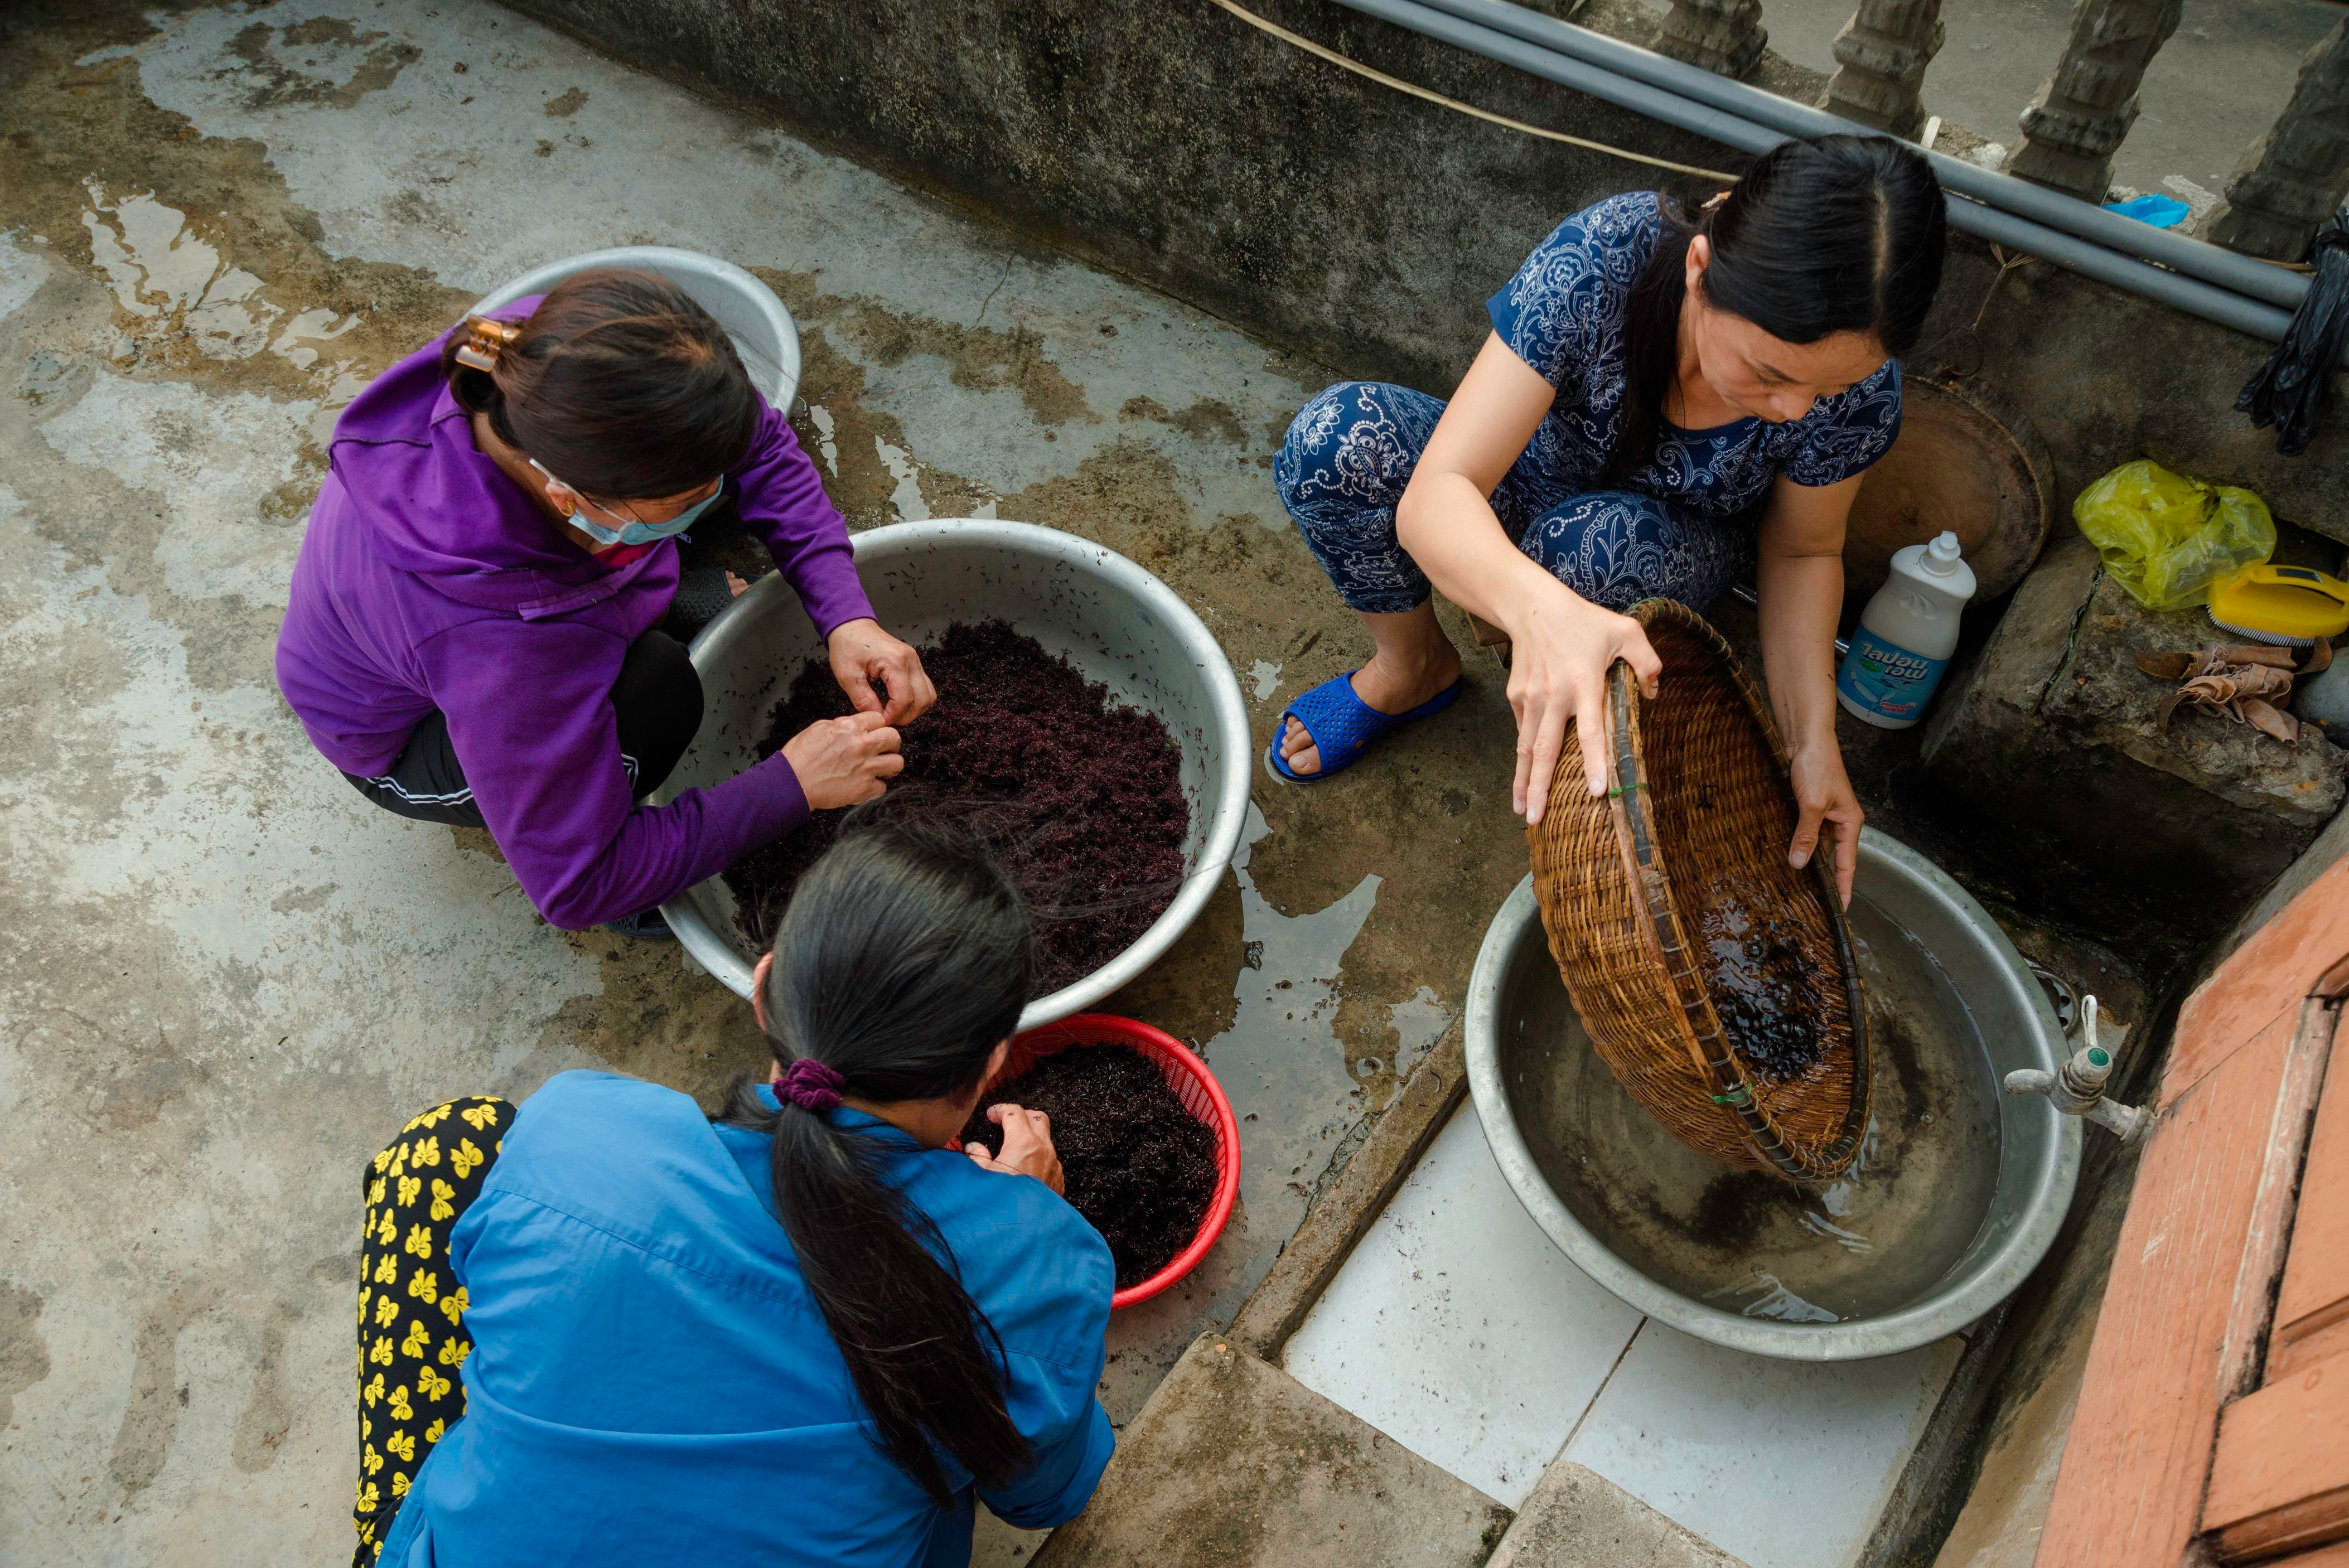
[1715, 205]
[484, 340]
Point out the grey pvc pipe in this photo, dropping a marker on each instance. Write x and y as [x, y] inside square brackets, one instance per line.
[2193, 295]
[2089, 258]
[2211, 263]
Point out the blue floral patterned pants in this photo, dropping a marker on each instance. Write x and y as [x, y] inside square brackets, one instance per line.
[1350, 452]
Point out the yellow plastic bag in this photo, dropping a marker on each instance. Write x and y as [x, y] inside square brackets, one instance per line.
[2167, 538]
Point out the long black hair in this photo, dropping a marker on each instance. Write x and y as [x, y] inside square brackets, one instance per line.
[1835, 233]
[620, 383]
[904, 958]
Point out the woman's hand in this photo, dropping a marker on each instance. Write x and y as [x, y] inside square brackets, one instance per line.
[1798, 568]
[1560, 653]
[841, 761]
[863, 653]
[1823, 791]
[1026, 1147]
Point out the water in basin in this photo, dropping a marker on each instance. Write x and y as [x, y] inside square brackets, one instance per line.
[1746, 1241]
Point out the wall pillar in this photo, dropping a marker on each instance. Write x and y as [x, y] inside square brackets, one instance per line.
[2292, 178]
[1881, 55]
[2078, 122]
[1725, 36]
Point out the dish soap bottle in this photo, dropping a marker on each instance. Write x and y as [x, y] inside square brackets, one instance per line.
[1905, 636]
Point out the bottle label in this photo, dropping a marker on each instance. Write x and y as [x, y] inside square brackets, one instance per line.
[1886, 679]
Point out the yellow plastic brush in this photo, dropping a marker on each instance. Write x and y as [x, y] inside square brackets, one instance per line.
[2289, 605]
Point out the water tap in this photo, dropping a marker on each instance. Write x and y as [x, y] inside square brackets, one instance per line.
[2077, 1089]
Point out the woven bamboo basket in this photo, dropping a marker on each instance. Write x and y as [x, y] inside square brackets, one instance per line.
[1699, 808]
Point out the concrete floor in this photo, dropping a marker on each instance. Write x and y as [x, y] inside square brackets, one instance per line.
[228, 980]
[2215, 87]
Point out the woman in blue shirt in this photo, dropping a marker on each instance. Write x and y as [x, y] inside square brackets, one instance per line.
[1666, 399]
[802, 1333]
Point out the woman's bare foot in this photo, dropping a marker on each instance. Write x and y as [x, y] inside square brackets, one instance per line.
[1391, 685]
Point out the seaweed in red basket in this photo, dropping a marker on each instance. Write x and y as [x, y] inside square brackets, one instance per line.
[1139, 1167]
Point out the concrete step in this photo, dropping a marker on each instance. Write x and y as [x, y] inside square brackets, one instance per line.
[1235, 1464]
[1576, 1518]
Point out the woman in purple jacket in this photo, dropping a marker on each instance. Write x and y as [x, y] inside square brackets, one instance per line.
[473, 634]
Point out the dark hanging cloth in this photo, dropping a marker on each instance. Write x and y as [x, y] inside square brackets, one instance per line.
[2293, 389]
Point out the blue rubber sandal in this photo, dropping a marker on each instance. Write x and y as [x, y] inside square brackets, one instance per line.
[1343, 726]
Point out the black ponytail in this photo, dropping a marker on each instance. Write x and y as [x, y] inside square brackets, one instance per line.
[905, 957]
[1835, 233]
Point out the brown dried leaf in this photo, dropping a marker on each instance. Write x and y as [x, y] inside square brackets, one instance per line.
[2318, 659]
[2259, 680]
[2267, 720]
[2267, 654]
[2168, 666]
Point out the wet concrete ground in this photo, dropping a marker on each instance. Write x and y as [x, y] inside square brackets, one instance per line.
[228, 980]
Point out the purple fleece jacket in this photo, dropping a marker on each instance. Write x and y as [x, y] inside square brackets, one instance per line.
[427, 580]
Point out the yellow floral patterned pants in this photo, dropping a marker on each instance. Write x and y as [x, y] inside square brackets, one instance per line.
[411, 1308]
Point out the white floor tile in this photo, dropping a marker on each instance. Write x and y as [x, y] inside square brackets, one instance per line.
[1458, 1330]
[1784, 1464]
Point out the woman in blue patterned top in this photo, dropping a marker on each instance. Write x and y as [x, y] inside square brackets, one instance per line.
[1668, 399]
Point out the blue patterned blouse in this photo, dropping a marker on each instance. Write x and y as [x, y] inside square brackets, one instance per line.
[1563, 314]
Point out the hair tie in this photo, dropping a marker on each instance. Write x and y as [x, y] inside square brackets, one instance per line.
[484, 342]
[810, 1085]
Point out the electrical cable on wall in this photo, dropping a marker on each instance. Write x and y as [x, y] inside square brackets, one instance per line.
[1360, 69]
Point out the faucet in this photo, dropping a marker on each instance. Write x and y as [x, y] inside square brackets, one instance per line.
[2077, 1089]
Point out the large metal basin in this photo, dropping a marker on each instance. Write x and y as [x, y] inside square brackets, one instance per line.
[1960, 1191]
[1109, 618]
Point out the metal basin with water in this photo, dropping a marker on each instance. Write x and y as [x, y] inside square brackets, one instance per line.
[1957, 1196]
[1114, 621]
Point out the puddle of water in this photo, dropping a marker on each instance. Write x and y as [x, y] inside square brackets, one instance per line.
[162, 271]
[158, 267]
[313, 325]
[907, 497]
[1884, 1235]
[347, 384]
[1418, 1022]
[828, 448]
[1266, 675]
[1285, 1069]
[1281, 1061]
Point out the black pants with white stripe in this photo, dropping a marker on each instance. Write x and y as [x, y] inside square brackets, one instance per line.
[657, 700]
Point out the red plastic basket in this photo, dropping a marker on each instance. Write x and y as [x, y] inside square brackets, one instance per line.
[1193, 1084]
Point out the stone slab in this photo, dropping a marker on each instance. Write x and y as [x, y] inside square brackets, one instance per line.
[2044, 755]
[1235, 1464]
[2102, 697]
[1576, 1518]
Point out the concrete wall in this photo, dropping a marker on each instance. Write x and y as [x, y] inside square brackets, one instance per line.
[1174, 143]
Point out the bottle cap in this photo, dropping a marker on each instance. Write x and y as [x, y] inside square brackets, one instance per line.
[1942, 556]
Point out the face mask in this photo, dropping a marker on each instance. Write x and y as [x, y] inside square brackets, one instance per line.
[636, 532]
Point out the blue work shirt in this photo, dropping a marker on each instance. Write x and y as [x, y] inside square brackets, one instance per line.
[651, 1382]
